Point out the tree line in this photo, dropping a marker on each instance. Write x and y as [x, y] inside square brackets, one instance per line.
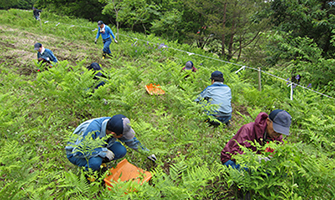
[290, 36]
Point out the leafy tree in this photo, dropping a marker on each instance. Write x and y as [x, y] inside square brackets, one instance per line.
[90, 9]
[233, 24]
[312, 18]
[130, 12]
[22, 4]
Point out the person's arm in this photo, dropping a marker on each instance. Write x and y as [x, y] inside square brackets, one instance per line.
[98, 34]
[134, 143]
[53, 57]
[202, 95]
[110, 32]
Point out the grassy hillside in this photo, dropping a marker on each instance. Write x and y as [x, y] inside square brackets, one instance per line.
[39, 111]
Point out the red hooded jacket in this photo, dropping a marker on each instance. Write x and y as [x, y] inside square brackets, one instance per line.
[248, 132]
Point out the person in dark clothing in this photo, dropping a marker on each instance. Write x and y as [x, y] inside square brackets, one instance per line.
[37, 13]
[98, 75]
[265, 128]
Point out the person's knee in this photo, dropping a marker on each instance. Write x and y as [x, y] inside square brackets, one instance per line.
[232, 164]
[94, 163]
[119, 150]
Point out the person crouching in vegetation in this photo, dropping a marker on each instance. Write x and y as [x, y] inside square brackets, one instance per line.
[266, 128]
[105, 31]
[189, 67]
[36, 13]
[45, 55]
[95, 67]
[217, 94]
[83, 152]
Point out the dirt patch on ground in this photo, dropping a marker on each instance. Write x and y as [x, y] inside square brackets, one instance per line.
[17, 48]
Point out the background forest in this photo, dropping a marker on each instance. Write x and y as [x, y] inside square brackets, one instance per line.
[39, 111]
[287, 36]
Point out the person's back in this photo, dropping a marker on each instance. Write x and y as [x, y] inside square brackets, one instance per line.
[97, 76]
[218, 94]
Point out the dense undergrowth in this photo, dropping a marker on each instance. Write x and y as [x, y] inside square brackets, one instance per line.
[39, 111]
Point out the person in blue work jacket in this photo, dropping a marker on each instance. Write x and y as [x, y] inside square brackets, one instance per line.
[219, 95]
[110, 129]
[105, 31]
[44, 55]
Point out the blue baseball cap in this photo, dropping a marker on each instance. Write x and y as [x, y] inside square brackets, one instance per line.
[216, 74]
[37, 46]
[281, 121]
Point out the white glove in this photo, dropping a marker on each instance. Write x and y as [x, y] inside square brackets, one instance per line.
[95, 41]
[263, 158]
[48, 58]
[115, 40]
[110, 155]
[152, 158]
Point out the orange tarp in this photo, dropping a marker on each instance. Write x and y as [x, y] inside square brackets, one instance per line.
[126, 171]
[154, 89]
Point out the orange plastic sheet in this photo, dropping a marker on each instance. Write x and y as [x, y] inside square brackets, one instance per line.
[127, 172]
[154, 89]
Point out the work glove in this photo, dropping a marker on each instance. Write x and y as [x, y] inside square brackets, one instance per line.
[115, 40]
[263, 158]
[110, 155]
[152, 158]
[95, 41]
[48, 59]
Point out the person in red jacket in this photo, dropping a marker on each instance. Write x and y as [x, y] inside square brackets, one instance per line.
[265, 128]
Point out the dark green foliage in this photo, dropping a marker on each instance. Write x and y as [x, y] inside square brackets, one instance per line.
[39, 111]
[21, 4]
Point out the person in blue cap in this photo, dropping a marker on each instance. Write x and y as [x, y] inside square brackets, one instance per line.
[45, 55]
[219, 96]
[105, 33]
[113, 131]
[266, 128]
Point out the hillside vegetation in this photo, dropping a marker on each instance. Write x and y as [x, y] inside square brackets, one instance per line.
[39, 111]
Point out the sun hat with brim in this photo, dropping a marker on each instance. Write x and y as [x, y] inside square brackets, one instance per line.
[119, 124]
[37, 46]
[281, 121]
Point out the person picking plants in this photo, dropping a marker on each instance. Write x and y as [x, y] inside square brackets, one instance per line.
[95, 67]
[265, 128]
[189, 66]
[105, 31]
[45, 55]
[219, 95]
[97, 142]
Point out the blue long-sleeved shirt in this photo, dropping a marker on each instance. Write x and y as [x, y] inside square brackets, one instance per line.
[105, 35]
[218, 94]
[97, 128]
[47, 55]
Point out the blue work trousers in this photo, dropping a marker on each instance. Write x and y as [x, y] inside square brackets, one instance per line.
[107, 42]
[94, 163]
